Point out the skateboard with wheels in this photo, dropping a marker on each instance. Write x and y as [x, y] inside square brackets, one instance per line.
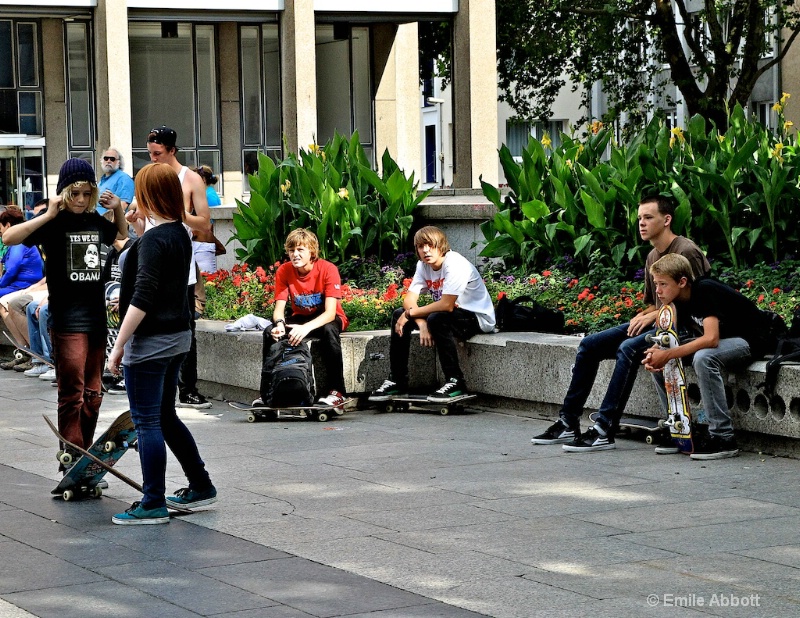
[651, 427]
[403, 403]
[19, 349]
[679, 417]
[82, 476]
[314, 412]
[81, 480]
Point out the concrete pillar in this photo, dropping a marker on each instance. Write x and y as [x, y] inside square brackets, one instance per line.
[298, 73]
[474, 94]
[232, 180]
[55, 99]
[397, 102]
[113, 78]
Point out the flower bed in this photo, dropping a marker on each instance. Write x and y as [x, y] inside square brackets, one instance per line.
[590, 302]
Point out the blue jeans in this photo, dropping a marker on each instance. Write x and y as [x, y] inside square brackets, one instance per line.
[37, 330]
[612, 343]
[710, 366]
[151, 387]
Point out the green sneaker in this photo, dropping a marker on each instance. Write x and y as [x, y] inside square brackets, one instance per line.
[136, 516]
[451, 389]
[188, 498]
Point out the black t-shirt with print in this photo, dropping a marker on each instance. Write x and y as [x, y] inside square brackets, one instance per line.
[738, 316]
[71, 244]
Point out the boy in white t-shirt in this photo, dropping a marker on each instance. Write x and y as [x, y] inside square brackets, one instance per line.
[461, 308]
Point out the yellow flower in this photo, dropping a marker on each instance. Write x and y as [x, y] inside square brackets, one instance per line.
[721, 138]
[787, 125]
[777, 108]
[776, 152]
[568, 163]
[343, 193]
[546, 141]
[671, 141]
[785, 97]
[314, 148]
[596, 126]
[285, 187]
[322, 154]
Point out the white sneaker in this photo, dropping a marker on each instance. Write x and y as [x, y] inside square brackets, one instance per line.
[335, 399]
[49, 375]
[35, 371]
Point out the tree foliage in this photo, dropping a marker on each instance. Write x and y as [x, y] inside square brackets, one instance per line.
[714, 51]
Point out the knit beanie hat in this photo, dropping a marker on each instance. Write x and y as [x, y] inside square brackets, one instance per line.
[74, 170]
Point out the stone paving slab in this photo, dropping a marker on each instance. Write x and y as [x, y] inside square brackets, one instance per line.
[399, 516]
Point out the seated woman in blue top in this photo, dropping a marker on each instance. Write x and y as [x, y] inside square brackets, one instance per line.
[22, 266]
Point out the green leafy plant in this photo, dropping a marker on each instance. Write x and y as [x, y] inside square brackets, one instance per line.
[333, 191]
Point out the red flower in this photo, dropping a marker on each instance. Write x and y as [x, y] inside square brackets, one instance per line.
[749, 283]
[572, 283]
[776, 291]
[546, 273]
[583, 295]
[533, 281]
[501, 295]
[590, 297]
[761, 298]
[237, 280]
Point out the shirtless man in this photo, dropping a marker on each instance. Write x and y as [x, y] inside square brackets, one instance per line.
[197, 217]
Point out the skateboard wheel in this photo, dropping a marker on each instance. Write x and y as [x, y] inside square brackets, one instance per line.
[389, 407]
[68, 495]
[322, 416]
[444, 411]
[65, 458]
[109, 446]
[97, 491]
[251, 418]
[678, 427]
[648, 440]
[18, 354]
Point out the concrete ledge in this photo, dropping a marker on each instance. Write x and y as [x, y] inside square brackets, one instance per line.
[529, 369]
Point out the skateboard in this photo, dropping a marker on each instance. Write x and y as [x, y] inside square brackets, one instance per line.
[679, 417]
[404, 402]
[18, 349]
[81, 479]
[650, 426]
[315, 412]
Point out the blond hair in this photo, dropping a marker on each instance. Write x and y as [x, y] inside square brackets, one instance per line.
[674, 266]
[68, 193]
[305, 238]
[433, 237]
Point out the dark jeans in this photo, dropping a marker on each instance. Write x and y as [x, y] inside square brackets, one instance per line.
[446, 327]
[187, 377]
[79, 366]
[329, 344]
[151, 387]
[612, 343]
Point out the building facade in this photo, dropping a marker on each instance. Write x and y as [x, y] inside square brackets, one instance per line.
[232, 77]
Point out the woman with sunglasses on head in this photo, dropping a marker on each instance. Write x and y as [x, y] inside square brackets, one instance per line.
[154, 338]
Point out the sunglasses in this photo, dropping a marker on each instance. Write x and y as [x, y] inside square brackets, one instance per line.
[112, 159]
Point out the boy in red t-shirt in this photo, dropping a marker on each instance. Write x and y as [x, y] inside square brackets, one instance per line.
[313, 286]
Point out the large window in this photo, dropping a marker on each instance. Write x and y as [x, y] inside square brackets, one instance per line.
[174, 83]
[80, 97]
[20, 79]
[344, 86]
[519, 133]
[259, 50]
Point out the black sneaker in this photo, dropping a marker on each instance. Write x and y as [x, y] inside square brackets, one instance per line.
[448, 391]
[193, 400]
[557, 433]
[386, 391]
[665, 445]
[715, 447]
[590, 441]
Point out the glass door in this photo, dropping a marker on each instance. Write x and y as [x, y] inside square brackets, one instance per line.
[9, 179]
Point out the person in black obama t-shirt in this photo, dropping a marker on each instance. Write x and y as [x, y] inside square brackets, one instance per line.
[69, 232]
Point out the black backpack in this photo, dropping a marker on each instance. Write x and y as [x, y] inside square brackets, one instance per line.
[786, 350]
[512, 316]
[292, 382]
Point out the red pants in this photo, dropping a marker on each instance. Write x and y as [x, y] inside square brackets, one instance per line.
[79, 361]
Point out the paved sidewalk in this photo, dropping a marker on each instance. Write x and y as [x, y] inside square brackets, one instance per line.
[399, 516]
